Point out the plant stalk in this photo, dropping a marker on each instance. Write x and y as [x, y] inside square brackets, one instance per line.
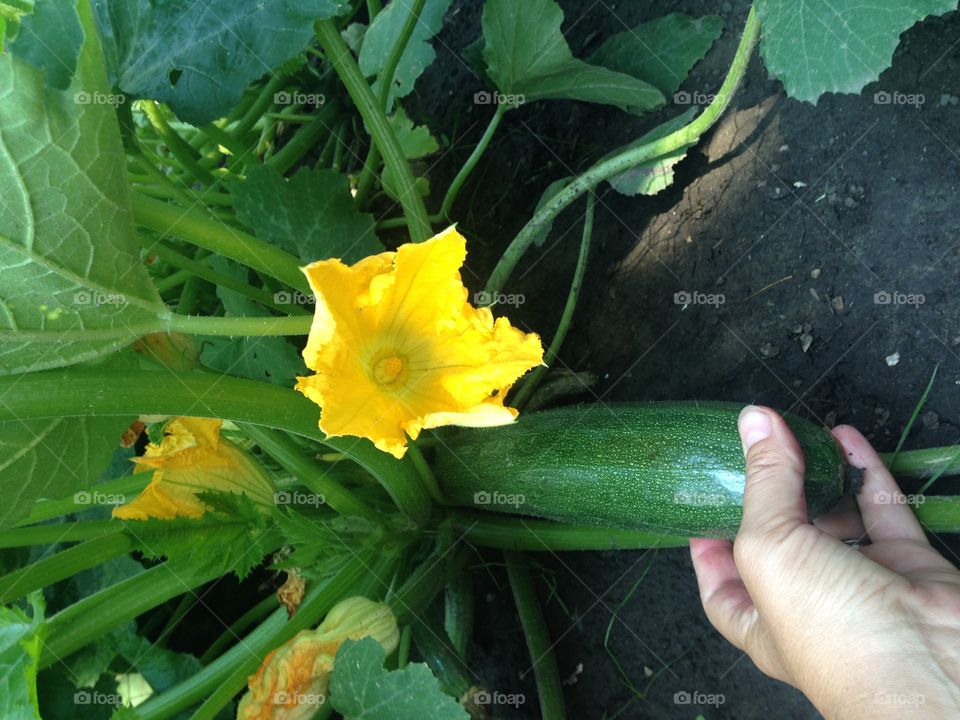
[632, 157]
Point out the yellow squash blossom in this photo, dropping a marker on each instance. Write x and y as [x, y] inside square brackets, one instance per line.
[397, 347]
[292, 681]
[192, 458]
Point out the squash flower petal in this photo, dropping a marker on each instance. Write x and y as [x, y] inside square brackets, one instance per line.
[192, 458]
[396, 346]
[292, 681]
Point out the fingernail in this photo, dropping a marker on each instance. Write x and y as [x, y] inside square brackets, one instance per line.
[754, 426]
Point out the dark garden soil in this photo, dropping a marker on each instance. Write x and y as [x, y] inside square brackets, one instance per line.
[798, 215]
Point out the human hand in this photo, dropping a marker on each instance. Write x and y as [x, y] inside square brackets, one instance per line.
[869, 634]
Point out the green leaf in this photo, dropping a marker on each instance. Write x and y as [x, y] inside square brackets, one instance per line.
[52, 458]
[662, 51]
[311, 214]
[72, 286]
[160, 667]
[20, 639]
[415, 140]
[651, 177]
[527, 55]
[233, 537]
[198, 57]
[819, 46]
[50, 39]
[320, 545]
[272, 359]
[419, 53]
[360, 689]
[11, 13]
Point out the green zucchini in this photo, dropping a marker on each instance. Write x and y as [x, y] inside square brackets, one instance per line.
[669, 467]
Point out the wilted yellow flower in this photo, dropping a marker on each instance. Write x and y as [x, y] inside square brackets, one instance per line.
[397, 348]
[193, 458]
[292, 681]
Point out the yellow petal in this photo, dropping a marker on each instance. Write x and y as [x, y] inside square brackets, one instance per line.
[396, 347]
[192, 458]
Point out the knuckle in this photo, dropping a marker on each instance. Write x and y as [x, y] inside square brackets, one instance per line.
[766, 459]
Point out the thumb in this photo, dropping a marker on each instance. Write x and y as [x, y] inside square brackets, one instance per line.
[773, 498]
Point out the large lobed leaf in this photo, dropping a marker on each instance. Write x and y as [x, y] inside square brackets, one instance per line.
[311, 214]
[819, 46]
[72, 287]
[20, 639]
[360, 688]
[198, 57]
[527, 55]
[382, 34]
[661, 51]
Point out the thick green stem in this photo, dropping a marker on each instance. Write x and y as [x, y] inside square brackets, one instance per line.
[458, 611]
[207, 232]
[61, 532]
[912, 464]
[111, 492]
[174, 280]
[281, 448]
[181, 150]
[82, 392]
[396, 52]
[426, 474]
[530, 384]
[171, 255]
[239, 326]
[238, 626]
[259, 107]
[346, 67]
[511, 533]
[93, 616]
[549, 689]
[304, 139]
[372, 162]
[62, 565]
[627, 159]
[471, 163]
[939, 514]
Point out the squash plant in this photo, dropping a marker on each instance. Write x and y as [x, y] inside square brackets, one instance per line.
[211, 364]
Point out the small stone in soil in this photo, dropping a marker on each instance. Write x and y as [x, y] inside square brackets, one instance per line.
[930, 420]
[768, 350]
[815, 273]
[892, 359]
[837, 304]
